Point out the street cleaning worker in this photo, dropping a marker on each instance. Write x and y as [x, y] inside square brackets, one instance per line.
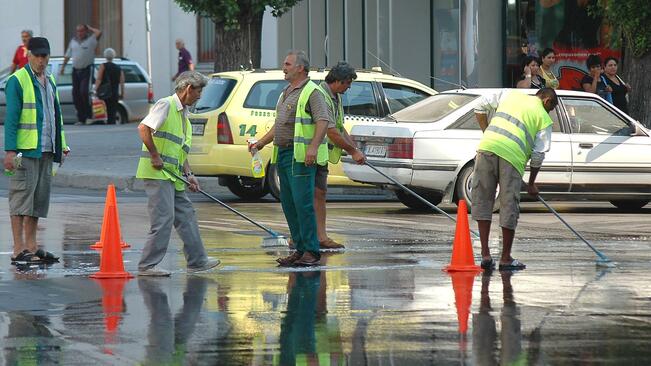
[166, 134]
[519, 130]
[298, 135]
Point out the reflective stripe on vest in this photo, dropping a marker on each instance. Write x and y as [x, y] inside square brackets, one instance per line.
[511, 132]
[171, 143]
[305, 127]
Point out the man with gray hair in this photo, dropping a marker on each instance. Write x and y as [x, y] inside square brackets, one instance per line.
[20, 56]
[185, 59]
[166, 134]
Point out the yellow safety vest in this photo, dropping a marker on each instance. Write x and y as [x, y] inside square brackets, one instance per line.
[334, 151]
[172, 144]
[305, 127]
[512, 130]
[27, 134]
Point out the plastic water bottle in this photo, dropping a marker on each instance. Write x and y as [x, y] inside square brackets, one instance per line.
[18, 162]
[257, 165]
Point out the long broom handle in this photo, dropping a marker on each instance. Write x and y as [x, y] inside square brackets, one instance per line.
[428, 203]
[273, 233]
[600, 254]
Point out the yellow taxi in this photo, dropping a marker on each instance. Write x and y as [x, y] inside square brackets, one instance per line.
[240, 105]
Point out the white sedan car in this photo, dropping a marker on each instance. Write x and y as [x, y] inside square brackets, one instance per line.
[597, 152]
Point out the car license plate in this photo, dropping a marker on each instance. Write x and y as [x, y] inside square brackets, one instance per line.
[375, 150]
[197, 129]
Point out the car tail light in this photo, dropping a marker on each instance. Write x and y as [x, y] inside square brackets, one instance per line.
[150, 93]
[224, 135]
[401, 148]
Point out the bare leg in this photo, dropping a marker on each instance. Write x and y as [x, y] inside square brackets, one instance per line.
[30, 225]
[484, 232]
[320, 210]
[17, 231]
[507, 242]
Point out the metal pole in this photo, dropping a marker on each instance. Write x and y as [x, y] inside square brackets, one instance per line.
[148, 28]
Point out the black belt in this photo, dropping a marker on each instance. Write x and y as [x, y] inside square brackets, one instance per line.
[289, 144]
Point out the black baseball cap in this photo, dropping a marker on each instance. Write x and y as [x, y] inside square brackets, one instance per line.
[38, 46]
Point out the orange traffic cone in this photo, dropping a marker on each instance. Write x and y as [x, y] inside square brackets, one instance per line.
[111, 264]
[462, 257]
[110, 205]
[112, 305]
[462, 283]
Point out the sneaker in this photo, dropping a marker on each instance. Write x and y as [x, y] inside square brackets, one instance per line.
[154, 272]
[210, 263]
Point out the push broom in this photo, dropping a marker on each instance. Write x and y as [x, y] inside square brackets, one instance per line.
[274, 240]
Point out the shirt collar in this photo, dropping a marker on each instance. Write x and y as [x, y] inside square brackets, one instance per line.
[325, 87]
[179, 105]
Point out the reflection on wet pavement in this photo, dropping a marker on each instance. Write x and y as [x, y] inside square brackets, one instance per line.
[383, 301]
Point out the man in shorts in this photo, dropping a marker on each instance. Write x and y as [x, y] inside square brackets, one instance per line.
[519, 130]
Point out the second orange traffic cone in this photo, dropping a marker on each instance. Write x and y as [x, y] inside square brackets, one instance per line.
[462, 256]
[110, 205]
[111, 262]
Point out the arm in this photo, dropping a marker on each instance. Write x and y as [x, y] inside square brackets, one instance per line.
[541, 145]
[264, 140]
[488, 103]
[149, 125]
[524, 83]
[191, 65]
[100, 75]
[14, 97]
[319, 135]
[482, 120]
[145, 132]
[345, 142]
[194, 183]
[96, 32]
[121, 84]
[66, 58]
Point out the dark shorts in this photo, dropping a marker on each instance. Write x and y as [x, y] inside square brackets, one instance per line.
[29, 187]
[321, 178]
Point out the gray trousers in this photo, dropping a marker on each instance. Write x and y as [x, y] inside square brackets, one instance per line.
[168, 207]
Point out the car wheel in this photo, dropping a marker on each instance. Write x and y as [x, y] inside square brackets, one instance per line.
[629, 204]
[273, 182]
[247, 188]
[121, 116]
[464, 188]
[410, 201]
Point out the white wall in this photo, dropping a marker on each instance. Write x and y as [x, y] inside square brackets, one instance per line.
[269, 41]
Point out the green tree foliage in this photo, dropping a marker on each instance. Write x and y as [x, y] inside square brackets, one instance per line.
[632, 18]
[230, 13]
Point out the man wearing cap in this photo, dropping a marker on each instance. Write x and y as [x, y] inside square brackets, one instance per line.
[82, 50]
[34, 128]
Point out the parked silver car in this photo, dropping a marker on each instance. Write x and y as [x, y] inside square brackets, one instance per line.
[139, 95]
[598, 153]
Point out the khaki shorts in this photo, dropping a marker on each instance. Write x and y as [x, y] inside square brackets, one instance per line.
[321, 177]
[491, 170]
[29, 187]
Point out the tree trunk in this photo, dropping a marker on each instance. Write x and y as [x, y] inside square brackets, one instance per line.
[636, 73]
[238, 48]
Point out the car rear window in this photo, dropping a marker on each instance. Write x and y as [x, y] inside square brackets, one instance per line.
[132, 74]
[265, 94]
[214, 94]
[433, 108]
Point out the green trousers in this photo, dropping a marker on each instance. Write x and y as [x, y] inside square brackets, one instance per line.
[297, 200]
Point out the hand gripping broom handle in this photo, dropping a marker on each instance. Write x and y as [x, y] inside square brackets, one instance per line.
[271, 232]
[428, 203]
[600, 254]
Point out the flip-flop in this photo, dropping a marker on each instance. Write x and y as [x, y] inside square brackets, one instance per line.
[488, 264]
[46, 256]
[26, 257]
[515, 265]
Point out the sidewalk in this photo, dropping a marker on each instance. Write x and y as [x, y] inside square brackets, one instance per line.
[101, 155]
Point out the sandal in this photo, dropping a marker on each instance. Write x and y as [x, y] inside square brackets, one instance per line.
[514, 265]
[488, 264]
[46, 256]
[26, 257]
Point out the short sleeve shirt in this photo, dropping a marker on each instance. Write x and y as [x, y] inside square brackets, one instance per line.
[286, 112]
[601, 86]
[20, 57]
[184, 60]
[82, 52]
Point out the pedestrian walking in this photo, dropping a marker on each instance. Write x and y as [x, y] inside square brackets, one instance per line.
[109, 85]
[619, 87]
[20, 56]
[33, 128]
[185, 59]
[166, 134]
[337, 82]
[298, 134]
[82, 51]
[519, 130]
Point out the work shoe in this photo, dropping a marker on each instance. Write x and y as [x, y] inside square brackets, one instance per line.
[330, 244]
[289, 260]
[210, 263]
[154, 272]
[307, 260]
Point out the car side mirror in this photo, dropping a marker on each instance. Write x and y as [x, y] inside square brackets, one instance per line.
[637, 131]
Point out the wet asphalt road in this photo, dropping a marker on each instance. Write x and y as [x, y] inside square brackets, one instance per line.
[383, 301]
